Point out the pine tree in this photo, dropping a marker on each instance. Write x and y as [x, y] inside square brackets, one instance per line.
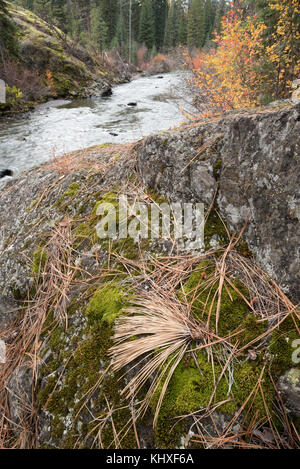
[182, 26]
[58, 13]
[175, 31]
[147, 24]
[220, 12]
[99, 29]
[208, 20]
[160, 16]
[42, 8]
[170, 33]
[196, 25]
[109, 12]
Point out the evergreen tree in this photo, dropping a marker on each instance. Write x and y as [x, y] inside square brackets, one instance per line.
[147, 24]
[208, 20]
[220, 12]
[109, 13]
[196, 25]
[58, 13]
[160, 17]
[99, 29]
[125, 24]
[42, 8]
[182, 27]
[175, 31]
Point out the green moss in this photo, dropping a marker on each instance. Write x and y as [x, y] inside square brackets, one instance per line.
[39, 260]
[253, 329]
[57, 428]
[233, 309]
[65, 393]
[70, 193]
[246, 379]
[217, 168]
[33, 204]
[106, 304]
[281, 345]
[56, 338]
[45, 393]
[214, 226]
[189, 390]
[85, 232]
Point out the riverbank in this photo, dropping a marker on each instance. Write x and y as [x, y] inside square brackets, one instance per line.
[66, 289]
[50, 65]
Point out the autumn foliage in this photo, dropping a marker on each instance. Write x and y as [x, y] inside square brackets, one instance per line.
[252, 63]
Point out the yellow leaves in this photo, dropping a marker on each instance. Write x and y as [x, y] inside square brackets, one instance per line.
[243, 66]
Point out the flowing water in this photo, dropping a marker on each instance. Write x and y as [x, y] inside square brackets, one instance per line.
[58, 127]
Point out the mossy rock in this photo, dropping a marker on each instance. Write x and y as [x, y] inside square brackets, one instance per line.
[78, 358]
[107, 304]
[233, 308]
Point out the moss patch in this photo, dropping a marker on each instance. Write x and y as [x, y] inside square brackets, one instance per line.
[70, 193]
[233, 309]
[39, 260]
[106, 304]
[281, 345]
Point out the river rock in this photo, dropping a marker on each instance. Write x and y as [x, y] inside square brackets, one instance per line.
[6, 172]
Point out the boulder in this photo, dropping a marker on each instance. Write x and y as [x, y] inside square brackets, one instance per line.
[248, 162]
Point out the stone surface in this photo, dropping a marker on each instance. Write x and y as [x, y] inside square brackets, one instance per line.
[289, 388]
[253, 159]
[20, 397]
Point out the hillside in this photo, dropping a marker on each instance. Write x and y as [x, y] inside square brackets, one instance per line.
[50, 65]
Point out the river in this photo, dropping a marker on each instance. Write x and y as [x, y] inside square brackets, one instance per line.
[58, 127]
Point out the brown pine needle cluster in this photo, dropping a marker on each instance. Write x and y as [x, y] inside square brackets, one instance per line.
[163, 330]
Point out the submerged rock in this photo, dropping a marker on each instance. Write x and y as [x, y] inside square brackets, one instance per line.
[6, 172]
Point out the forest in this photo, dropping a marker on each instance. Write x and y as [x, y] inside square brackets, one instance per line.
[126, 24]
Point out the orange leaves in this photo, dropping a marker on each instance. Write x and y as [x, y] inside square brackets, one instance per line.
[251, 62]
[50, 82]
[228, 73]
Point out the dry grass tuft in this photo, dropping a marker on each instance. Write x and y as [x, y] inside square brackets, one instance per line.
[98, 158]
[160, 323]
